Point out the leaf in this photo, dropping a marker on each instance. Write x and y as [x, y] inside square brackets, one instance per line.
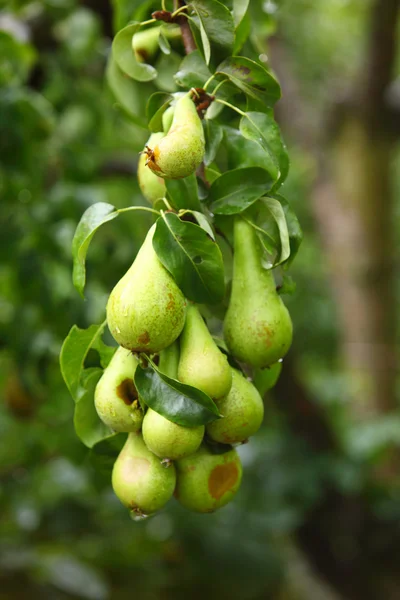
[205, 42]
[178, 402]
[193, 259]
[105, 352]
[213, 134]
[73, 353]
[88, 426]
[163, 42]
[95, 216]
[239, 10]
[204, 223]
[236, 190]
[250, 77]
[105, 452]
[126, 92]
[216, 21]
[242, 32]
[183, 193]
[240, 151]
[276, 210]
[125, 57]
[156, 107]
[294, 228]
[262, 129]
[193, 71]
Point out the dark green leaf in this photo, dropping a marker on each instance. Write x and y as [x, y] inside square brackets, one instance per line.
[242, 32]
[217, 22]
[88, 426]
[236, 190]
[104, 453]
[95, 216]
[178, 402]
[213, 134]
[183, 193]
[125, 57]
[250, 77]
[193, 71]
[193, 259]
[242, 152]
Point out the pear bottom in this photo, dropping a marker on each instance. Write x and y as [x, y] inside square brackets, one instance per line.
[207, 481]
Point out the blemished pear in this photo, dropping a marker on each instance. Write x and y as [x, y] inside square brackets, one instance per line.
[181, 151]
[265, 379]
[151, 186]
[163, 437]
[146, 309]
[115, 397]
[242, 410]
[207, 481]
[257, 328]
[201, 363]
[139, 479]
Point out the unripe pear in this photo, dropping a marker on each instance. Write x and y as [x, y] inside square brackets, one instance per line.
[207, 481]
[146, 309]
[265, 379]
[181, 151]
[163, 437]
[257, 327]
[145, 42]
[242, 410]
[167, 119]
[115, 397]
[151, 186]
[139, 479]
[202, 364]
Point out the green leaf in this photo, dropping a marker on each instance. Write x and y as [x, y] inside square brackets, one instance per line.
[183, 193]
[250, 77]
[204, 41]
[276, 210]
[236, 190]
[163, 42]
[105, 452]
[155, 108]
[239, 10]
[95, 216]
[88, 426]
[126, 92]
[242, 32]
[204, 223]
[125, 57]
[216, 21]
[193, 71]
[105, 352]
[213, 133]
[73, 353]
[240, 151]
[294, 228]
[178, 402]
[262, 129]
[193, 259]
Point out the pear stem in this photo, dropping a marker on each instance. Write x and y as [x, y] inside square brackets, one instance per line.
[235, 108]
[209, 80]
[145, 208]
[147, 22]
[221, 83]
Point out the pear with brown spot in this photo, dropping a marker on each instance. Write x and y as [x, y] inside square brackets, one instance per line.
[116, 398]
[152, 186]
[146, 309]
[139, 479]
[242, 410]
[207, 481]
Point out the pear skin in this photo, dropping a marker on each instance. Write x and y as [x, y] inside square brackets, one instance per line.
[242, 410]
[139, 479]
[151, 186]
[257, 327]
[116, 398]
[201, 363]
[167, 119]
[206, 481]
[265, 379]
[146, 309]
[181, 151]
[163, 437]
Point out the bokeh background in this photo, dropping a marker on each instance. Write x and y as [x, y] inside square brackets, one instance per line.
[318, 515]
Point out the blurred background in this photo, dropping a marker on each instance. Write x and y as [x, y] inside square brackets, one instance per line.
[318, 515]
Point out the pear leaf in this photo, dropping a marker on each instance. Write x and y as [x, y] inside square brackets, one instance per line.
[95, 216]
[183, 193]
[216, 24]
[127, 92]
[193, 259]
[251, 78]
[88, 426]
[239, 10]
[277, 212]
[204, 223]
[236, 190]
[213, 134]
[193, 71]
[124, 55]
[155, 108]
[294, 228]
[176, 401]
[104, 453]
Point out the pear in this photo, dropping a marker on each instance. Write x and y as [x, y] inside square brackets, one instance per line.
[151, 186]
[115, 397]
[163, 437]
[181, 151]
[201, 363]
[139, 479]
[242, 410]
[257, 327]
[167, 119]
[207, 481]
[265, 379]
[146, 309]
[145, 43]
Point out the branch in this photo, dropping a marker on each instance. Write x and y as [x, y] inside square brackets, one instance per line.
[187, 35]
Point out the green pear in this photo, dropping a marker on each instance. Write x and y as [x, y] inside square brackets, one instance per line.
[265, 379]
[139, 479]
[207, 481]
[257, 327]
[167, 118]
[163, 437]
[242, 410]
[145, 42]
[181, 151]
[151, 186]
[202, 364]
[115, 397]
[146, 309]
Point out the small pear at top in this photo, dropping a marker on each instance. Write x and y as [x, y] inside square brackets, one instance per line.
[201, 363]
[181, 151]
[257, 326]
[151, 185]
[146, 309]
